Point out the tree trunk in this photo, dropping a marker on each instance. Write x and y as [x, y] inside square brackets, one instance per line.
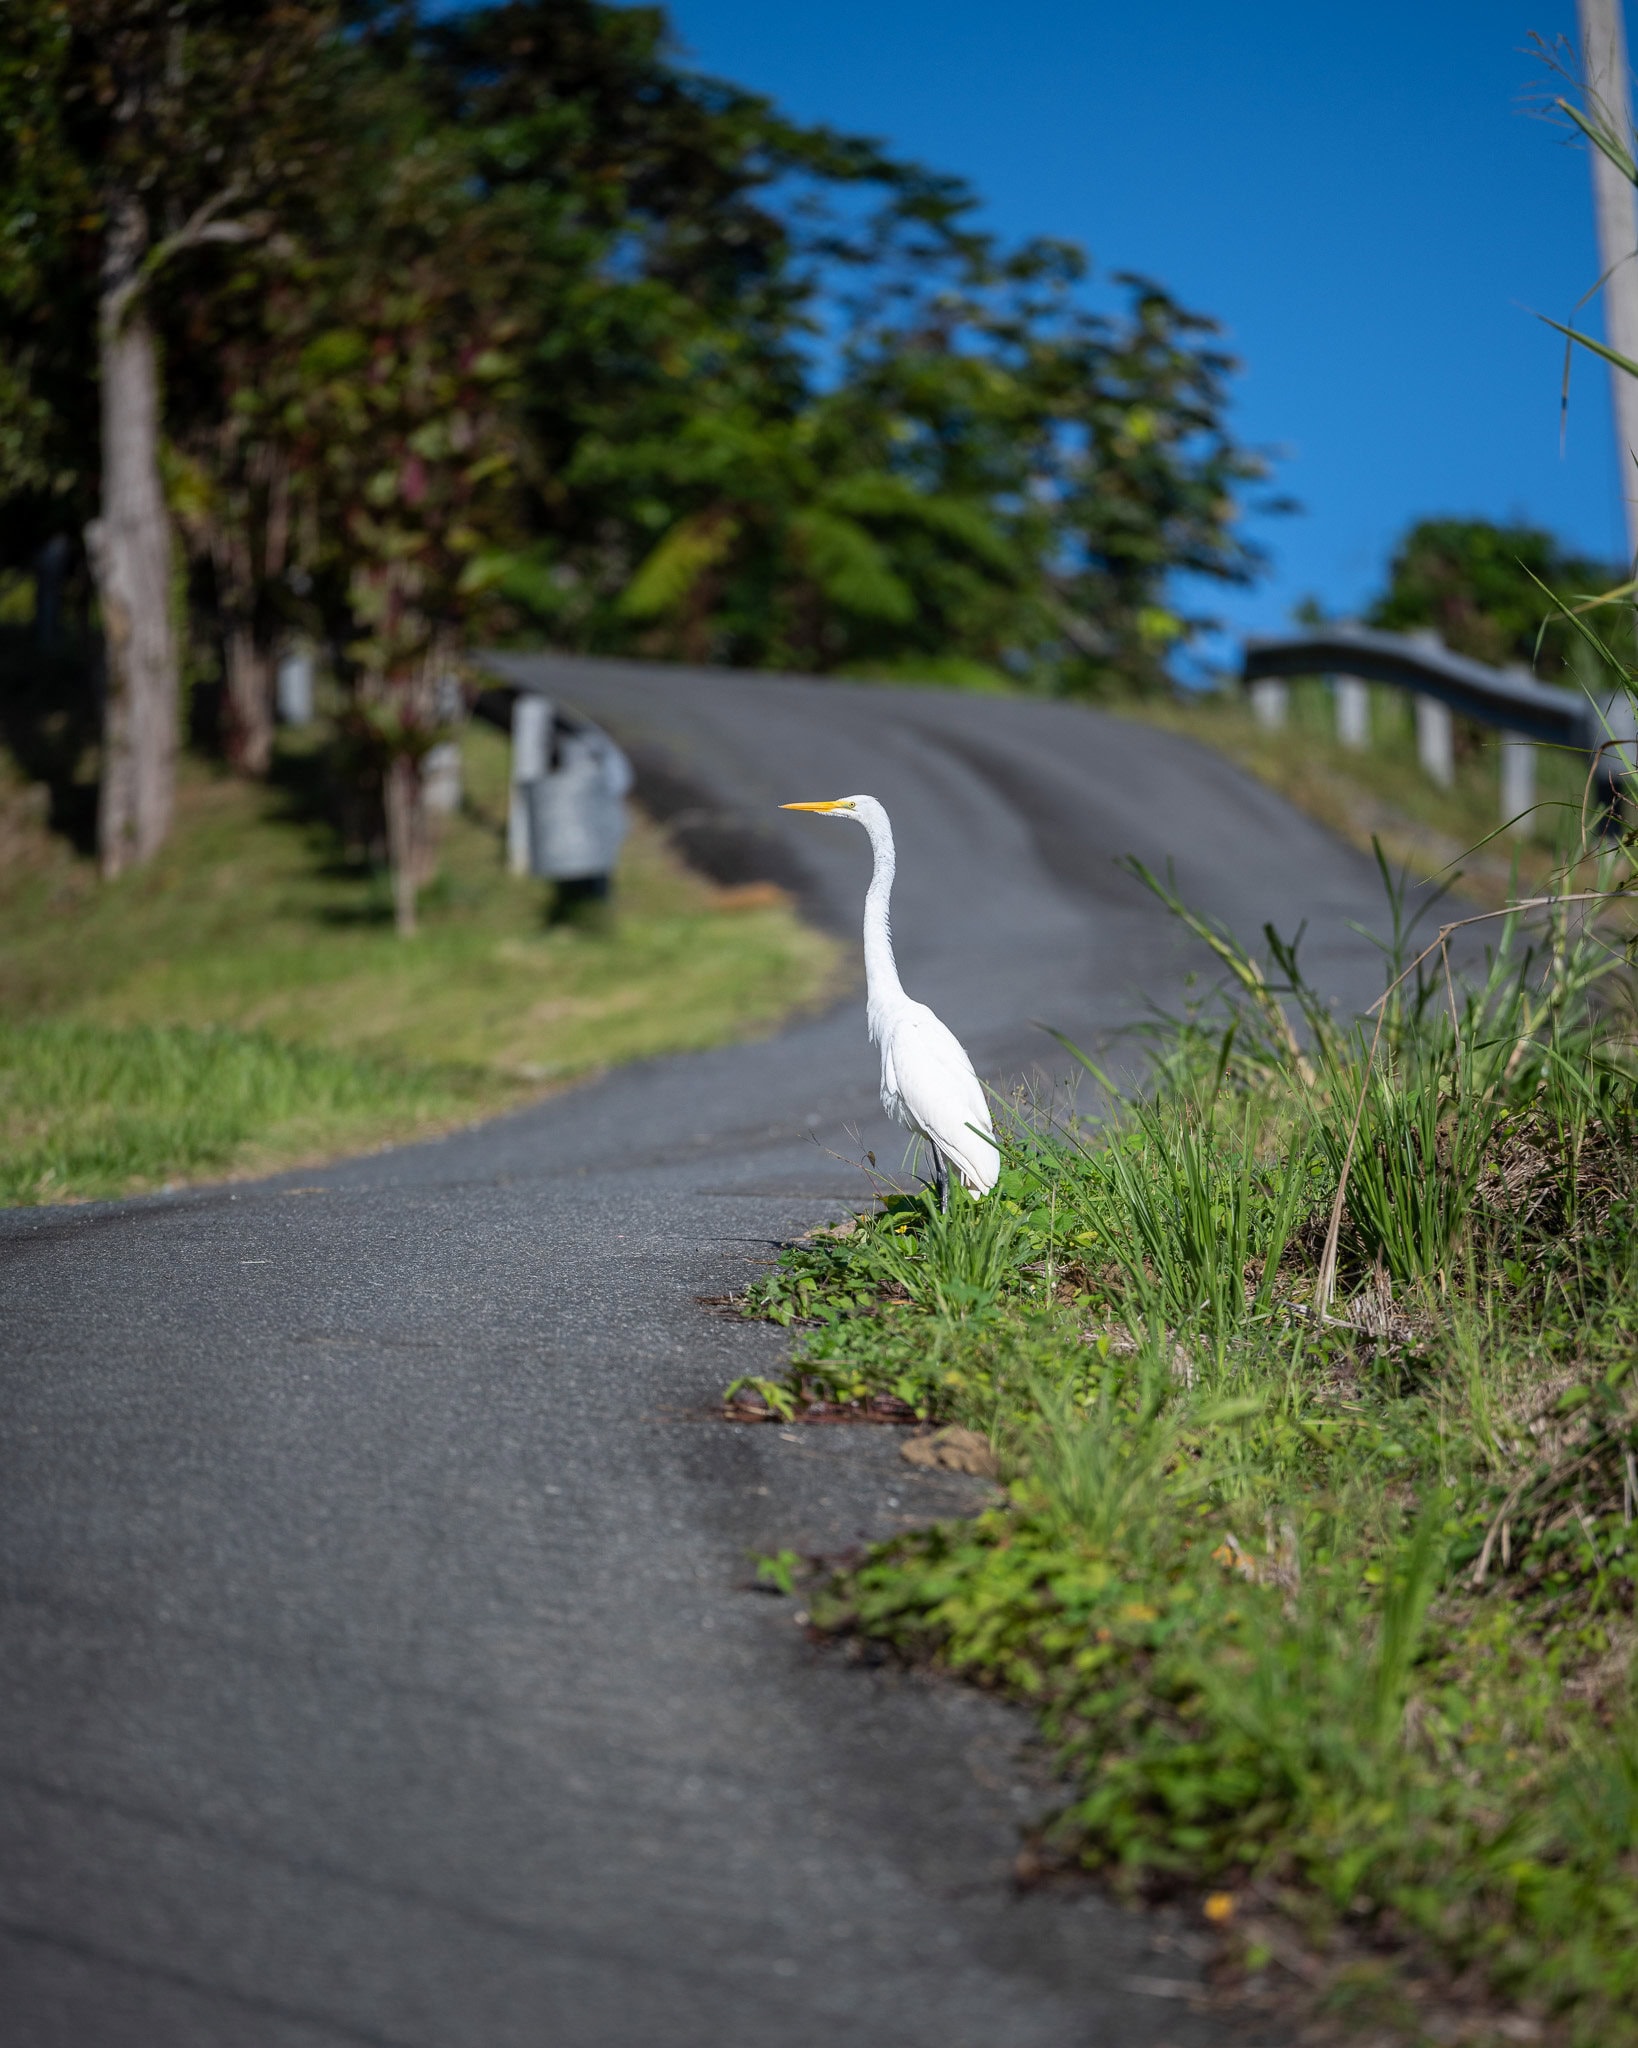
[249, 651]
[130, 549]
[409, 841]
[247, 735]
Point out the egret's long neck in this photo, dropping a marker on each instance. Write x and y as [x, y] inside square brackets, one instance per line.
[882, 986]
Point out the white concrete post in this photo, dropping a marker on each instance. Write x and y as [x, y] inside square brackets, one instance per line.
[1518, 781]
[1270, 699]
[441, 777]
[293, 687]
[1353, 712]
[531, 724]
[1435, 741]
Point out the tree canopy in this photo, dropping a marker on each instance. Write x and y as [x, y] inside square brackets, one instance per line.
[505, 322]
[1495, 592]
[773, 396]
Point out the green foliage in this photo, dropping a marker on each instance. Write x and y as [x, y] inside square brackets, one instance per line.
[849, 568]
[955, 1264]
[207, 117]
[45, 191]
[778, 1398]
[1012, 489]
[401, 444]
[1493, 592]
[1184, 1210]
[672, 572]
[520, 325]
[778, 1573]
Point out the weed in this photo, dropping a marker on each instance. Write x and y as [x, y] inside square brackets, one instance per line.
[774, 1397]
[953, 1264]
[778, 1572]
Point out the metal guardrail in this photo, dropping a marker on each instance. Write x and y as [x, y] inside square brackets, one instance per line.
[1509, 699]
[1444, 684]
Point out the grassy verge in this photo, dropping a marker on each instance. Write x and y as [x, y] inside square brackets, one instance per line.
[244, 1003]
[89, 1110]
[1327, 1605]
[1382, 795]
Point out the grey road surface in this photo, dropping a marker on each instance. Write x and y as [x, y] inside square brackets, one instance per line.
[378, 1663]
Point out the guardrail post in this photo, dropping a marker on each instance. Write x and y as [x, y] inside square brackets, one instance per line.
[1436, 741]
[293, 687]
[1442, 685]
[1353, 711]
[441, 778]
[1518, 780]
[531, 723]
[1270, 700]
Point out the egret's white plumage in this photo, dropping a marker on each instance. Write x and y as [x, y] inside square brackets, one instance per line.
[928, 1083]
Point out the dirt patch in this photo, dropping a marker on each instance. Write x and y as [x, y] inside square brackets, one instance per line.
[951, 1450]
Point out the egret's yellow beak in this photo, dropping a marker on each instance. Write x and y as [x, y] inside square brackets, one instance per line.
[836, 803]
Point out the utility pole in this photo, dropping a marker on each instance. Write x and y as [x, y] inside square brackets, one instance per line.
[1615, 202]
[1608, 108]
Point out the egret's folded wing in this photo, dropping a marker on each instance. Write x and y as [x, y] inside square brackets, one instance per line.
[943, 1096]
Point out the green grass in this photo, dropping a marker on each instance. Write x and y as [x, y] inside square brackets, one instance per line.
[1332, 1613]
[90, 1110]
[244, 1002]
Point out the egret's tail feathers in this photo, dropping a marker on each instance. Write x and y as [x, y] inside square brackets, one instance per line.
[977, 1158]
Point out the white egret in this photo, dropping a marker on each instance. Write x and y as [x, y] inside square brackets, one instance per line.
[928, 1083]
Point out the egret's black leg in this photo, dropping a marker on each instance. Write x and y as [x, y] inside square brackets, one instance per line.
[941, 1180]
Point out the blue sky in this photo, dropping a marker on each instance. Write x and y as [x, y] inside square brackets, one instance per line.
[1358, 192]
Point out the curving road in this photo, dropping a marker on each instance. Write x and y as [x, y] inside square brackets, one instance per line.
[377, 1664]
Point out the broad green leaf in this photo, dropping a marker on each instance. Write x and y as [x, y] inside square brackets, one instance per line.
[331, 354]
[693, 546]
[850, 568]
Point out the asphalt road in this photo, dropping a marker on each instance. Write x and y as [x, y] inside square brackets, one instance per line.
[377, 1660]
